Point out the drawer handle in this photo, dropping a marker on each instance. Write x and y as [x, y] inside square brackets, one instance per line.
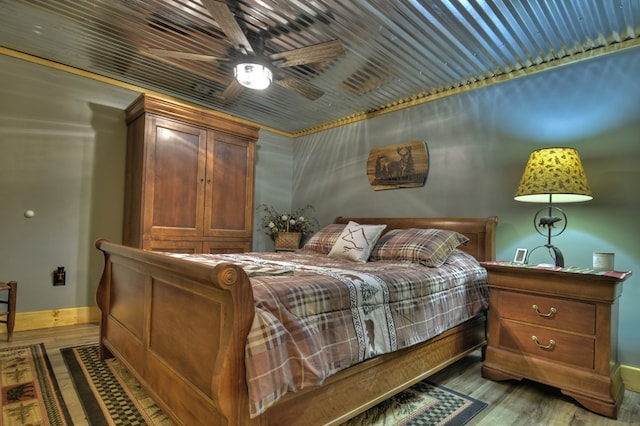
[551, 313]
[551, 344]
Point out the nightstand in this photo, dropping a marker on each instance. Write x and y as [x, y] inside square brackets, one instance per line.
[557, 326]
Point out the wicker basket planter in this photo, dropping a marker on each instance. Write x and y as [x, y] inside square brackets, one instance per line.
[288, 240]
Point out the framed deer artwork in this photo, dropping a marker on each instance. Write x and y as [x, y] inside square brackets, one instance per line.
[404, 165]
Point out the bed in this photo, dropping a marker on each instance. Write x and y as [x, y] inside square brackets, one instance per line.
[181, 328]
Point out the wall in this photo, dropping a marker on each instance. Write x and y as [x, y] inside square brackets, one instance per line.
[479, 142]
[62, 145]
[274, 166]
[62, 155]
[62, 140]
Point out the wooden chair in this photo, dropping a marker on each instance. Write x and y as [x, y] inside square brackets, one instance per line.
[9, 316]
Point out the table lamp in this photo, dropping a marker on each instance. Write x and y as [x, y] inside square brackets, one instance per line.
[553, 175]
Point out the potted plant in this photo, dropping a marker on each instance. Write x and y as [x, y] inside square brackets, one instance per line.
[287, 229]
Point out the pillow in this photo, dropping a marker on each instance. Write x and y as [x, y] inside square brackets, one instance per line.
[323, 240]
[430, 247]
[356, 242]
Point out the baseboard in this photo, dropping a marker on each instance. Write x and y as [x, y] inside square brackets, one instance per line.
[55, 318]
[630, 377]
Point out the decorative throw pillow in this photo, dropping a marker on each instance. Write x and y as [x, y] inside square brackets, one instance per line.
[356, 242]
[430, 247]
[323, 240]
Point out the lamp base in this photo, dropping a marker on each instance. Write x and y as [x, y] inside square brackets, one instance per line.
[557, 254]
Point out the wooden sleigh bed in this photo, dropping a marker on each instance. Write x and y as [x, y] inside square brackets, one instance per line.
[180, 328]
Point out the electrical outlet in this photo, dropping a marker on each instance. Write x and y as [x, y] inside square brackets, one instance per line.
[59, 276]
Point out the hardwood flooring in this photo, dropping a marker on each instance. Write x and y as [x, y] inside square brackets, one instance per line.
[527, 403]
[510, 403]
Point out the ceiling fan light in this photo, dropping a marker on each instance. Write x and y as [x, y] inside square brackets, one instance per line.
[253, 76]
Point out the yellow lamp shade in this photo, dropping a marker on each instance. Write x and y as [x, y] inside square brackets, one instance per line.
[554, 172]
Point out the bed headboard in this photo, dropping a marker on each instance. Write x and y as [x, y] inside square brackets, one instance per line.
[481, 231]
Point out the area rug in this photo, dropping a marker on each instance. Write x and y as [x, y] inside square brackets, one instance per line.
[30, 392]
[110, 395]
[422, 404]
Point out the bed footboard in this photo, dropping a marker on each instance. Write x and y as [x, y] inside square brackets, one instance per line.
[180, 329]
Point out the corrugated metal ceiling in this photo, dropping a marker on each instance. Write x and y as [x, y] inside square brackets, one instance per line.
[396, 52]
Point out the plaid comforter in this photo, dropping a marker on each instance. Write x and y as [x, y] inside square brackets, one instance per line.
[316, 316]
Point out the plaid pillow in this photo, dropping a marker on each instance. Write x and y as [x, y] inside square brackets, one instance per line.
[356, 242]
[430, 247]
[323, 240]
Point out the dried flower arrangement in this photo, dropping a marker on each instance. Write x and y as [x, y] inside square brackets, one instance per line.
[297, 221]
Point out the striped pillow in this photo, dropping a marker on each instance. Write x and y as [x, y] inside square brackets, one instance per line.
[430, 247]
[323, 240]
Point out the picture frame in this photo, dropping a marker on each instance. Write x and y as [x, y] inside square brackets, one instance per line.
[520, 256]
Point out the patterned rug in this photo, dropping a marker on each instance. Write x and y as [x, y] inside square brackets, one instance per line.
[108, 393]
[423, 404]
[110, 396]
[30, 392]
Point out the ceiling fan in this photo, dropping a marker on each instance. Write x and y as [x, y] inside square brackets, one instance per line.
[252, 68]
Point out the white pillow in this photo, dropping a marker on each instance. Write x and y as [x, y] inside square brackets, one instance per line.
[356, 242]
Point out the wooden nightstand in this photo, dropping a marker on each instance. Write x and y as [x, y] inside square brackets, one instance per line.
[557, 326]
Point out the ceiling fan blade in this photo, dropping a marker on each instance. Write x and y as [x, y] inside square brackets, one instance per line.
[199, 68]
[185, 55]
[305, 55]
[232, 91]
[303, 88]
[222, 15]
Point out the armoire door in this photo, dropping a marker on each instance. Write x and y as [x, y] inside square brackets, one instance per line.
[229, 191]
[174, 179]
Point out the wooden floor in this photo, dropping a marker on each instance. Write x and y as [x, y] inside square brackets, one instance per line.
[510, 403]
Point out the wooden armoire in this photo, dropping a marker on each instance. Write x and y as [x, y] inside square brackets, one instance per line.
[189, 179]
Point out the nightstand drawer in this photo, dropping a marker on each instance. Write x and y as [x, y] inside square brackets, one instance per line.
[558, 313]
[566, 347]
